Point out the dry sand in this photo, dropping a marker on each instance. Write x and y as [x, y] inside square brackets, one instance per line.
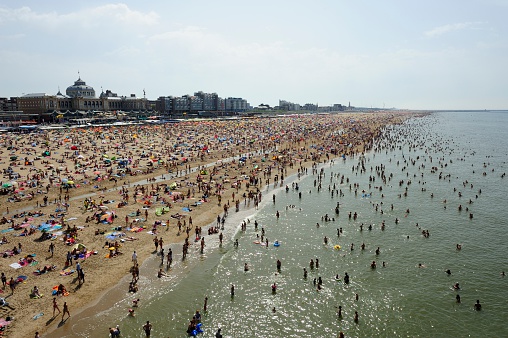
[89, 158]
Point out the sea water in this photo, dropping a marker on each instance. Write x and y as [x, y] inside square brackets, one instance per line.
[433, 165]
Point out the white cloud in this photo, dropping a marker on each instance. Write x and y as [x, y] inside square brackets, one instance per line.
[212, 49]
[451, 27]
[93, 16]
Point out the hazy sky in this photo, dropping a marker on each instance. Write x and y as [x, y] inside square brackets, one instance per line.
[446, 54]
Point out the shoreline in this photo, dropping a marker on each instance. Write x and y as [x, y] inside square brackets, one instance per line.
[98, 266]
[116, 294]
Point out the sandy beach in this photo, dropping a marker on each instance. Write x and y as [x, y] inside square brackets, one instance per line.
[95, 195]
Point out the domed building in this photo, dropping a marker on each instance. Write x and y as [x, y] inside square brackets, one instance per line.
[80, 89]
[80, 103]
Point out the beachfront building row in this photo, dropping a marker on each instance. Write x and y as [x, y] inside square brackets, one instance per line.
[309, 107]
[80, 98]
[11, 115]
[201, 104]
[80, 103]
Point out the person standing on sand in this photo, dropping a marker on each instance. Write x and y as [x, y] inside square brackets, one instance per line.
[12, 285]
[156, 243]
[161, 243]
[65, 310]
[55, 307]
[51, 248]
[78, 268]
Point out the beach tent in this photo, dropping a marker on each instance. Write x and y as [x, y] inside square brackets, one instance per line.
[79, 246]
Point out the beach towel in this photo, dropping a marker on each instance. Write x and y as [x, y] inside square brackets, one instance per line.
[85, 256]
[130, 239]
[66, 272]
[44, 226]
[19, 279]
[15, 265]
[4, 322]
[53, 228]
[8, 253]
[37, 316]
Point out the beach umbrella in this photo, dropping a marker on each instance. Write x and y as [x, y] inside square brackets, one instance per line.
[97, 172]
[74, 148]
[70, 182]
[7, 185]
